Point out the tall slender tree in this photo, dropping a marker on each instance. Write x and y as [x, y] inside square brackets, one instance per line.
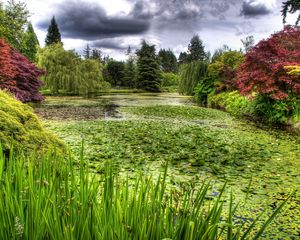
[149, 75]
[53, 35]
[87, 52]
[30, 43]
[129, 79]
[196, 49]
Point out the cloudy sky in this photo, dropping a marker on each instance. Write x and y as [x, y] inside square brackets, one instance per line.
[113, 25]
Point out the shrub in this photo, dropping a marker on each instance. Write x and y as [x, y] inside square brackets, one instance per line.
[232, 102]
[20, 127]
[18, 75]
[169, 79]
[285, 111]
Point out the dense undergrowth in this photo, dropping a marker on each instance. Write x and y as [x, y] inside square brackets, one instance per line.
[50, 198]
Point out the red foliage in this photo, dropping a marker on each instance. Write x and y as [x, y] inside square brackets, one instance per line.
[18, 75]
[263, 70]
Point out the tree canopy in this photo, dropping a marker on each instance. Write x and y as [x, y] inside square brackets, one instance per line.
[264, 68]
[68, 73]
[290, 6]
[168, 60]
[18, 75]
[53, 34]
[149, 75]
[14, 19]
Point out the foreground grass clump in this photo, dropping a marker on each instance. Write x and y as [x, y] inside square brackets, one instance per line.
[21, 128]
[50, 200]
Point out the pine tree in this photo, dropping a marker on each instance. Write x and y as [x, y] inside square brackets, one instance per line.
[96, 54]
[196, 49]
[53, 35]
[168, 60]
[87, 52]
[149, 76]
[183, 58]
[130, 73]
[30, 43]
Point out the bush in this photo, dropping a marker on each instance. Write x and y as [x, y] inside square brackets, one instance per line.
[232, 102]
[285, 111]
[20, 127]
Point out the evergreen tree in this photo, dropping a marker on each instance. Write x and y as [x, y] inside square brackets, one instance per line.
[149, 76]
[13, 20]
[96, 54]
[115, 70]
[168, 60]
[196, 49]
[30, 43]
[183, 58]
[87, 52]
[53, 35]
[130, 70]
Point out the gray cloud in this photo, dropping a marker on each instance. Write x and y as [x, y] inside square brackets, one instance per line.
[109, 44]
[181, 9]
[78, 19]
[251, 8]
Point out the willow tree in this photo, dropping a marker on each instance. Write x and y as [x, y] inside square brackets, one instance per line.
[190, 74]
[68, 73]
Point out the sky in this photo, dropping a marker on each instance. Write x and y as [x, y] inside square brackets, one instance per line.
[113, 25]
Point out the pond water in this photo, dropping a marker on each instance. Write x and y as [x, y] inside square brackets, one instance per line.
[141, 132]
[104, 106]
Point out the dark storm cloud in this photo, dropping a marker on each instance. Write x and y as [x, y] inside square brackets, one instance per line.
[109, 44]
[82, 20]
[113, 43]
[251, 9]
[180, 9]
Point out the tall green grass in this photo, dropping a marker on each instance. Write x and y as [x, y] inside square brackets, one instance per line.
[51, 198]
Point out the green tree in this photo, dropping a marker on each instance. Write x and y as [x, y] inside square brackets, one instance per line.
[219, 52]
[183, 58]
[130, 74]
[13, 21]
[290, 6]
[96, 54]
[168, 60]
[87, 52]
[196, 49]
[149, 75]
[68, 73]
[115, 72]
[53, 35]
[30, 43]
[190, 74]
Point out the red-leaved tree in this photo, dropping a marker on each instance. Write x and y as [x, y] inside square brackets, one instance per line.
[263, 70]
[18, 75]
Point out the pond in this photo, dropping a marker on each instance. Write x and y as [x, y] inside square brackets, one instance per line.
[144, 132]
